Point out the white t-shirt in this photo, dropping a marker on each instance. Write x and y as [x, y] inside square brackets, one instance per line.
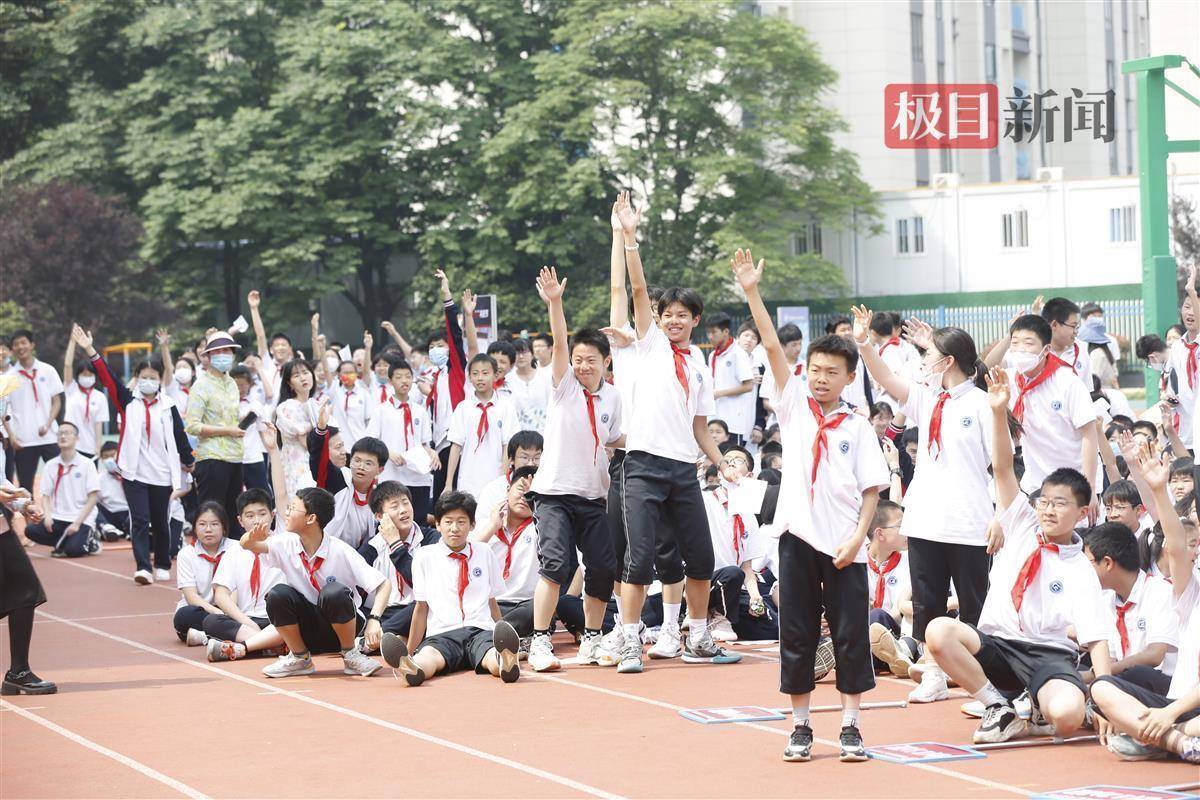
[84, 409]
[435, 583]
[352, 411]
[624, 367]
[1150, 620]
[730, 549]
[1076, 357]
[523, 564]
[481, 459]
[661, 415]
[334, 560]
[1064, 593]
[389, 425]
[195, 570]
[897, 354]
[949, 499]
[1056, 412]
[1177, 358]
[575, 461]
[827, 513]
[530, 397]
[1187, 665]
[29, 404]
[252, 446]
[729, 370]
[235, 572]
[401, 591]
[69, 485]
[352, 521]
[112, 490]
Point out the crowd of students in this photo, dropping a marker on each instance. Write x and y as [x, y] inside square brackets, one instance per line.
[887, 498]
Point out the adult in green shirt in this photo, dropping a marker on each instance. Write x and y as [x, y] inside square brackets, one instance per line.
[212, 417]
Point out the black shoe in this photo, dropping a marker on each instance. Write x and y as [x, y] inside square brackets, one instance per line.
[57, 554]
[395, 652]
[800, 744]
[25, 682]
[999, 724]
[852, 744]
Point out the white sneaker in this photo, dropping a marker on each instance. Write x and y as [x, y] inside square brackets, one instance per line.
[162, 574]
[143, 577]
[589, 648]
[220, 650]
[932, 689]
[289, 665]
[609, 652]
[196, 638]
[541, 655]
[668, 644]
[356, 663]
[721, 629]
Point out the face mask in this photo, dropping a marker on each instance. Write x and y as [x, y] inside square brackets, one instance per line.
[87, 381]
[382, 381]
[183, 375]
[222, 362]
[331, 363]
[1157, 366]
[439, 356]
[109, 464]
[147, 386]
[1021, 362]
[348, 380]
[930, 375]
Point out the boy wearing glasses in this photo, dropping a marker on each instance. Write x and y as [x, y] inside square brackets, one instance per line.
[1042, 588]
[353, 521]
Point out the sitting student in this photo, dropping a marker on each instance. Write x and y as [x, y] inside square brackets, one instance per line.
[1041, 587]
[240, 587]
[69, 492]
[194, 571]
[112, 511]
[327, 456]
[524, 450]
[1147, 630]
[353, 521]
[719, 431]
[397, 540]
[891, 591]
[455, 585]
[512, 533]
[1123, 503]
[404, 426]
[1166, 723]
[314, 607]
[480, 428]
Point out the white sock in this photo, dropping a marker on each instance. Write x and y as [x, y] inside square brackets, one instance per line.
[849, 717]
[697, 628]
[620, 609]
[989, 696]
[671, 615]
[801, 716]
[631, 632]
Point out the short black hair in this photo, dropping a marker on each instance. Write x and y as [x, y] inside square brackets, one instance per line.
[319, 502]
[1113, 540]
[21, 333]
[884, 511]
[455, 501]
[241, 371]
[521, 346]
[504, 349]
[217, 510]
[652, 292]
[483, 358]
[882, 323]
[1089, 308]
[719, 320]
[528, 471]
[1124, 491]
[1033, 323]
[252, 496]
[836, 321]
[72, 424]
[734, 447]
[771, 447]
[529, 440]
[108, 446]
[789, 333]
[277, 335]
[591, 338]
[1182, 466]
[1058, 309]
[749, 325]
[390, 357]
[832, 345]
[1073, 481]
[716, 421]
[398, 366]
[542, 337]
[1150, 343]
[882, 407]
[372, 447]
[154, 363]
[436, 336]
[1145, 425]
[385, 491]
[84, 365]
[688, 298]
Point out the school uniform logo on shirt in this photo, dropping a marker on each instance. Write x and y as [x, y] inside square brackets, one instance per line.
[1056, 405]
[966, 422]
[330, 579]
[477, 572]
[1056, 587]
[892, 580]
[844, 447]
[1141, 626]
[604, 418]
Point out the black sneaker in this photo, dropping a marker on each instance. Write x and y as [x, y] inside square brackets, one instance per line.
[56, 553]
[25, 682]
[999, 724]
[799, 747]
[852, 744]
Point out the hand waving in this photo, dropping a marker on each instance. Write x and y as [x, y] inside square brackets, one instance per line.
[549, 287]
[747, 274]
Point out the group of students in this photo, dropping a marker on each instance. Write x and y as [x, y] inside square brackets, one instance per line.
[447, 508]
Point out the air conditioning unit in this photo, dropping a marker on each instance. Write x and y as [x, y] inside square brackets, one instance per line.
[1048, 174]
[945, 180]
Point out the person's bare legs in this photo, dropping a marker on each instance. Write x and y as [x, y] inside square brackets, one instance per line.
[953, 645]
[1062, 704]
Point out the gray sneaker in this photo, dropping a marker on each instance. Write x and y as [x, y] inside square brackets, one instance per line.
[706, 651]
[631, 657]
[289, 665]
[1129, 749]
[355, 662]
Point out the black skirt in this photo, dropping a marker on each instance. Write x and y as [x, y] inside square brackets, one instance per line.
[19, 584]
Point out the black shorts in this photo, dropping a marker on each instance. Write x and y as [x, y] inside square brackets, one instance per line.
[1012, 665]
[225, 627]
[566, 522]
[463, 648]
[1148, 698]
[664, 514]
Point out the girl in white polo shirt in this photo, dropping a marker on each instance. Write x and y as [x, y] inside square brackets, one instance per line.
[194, 572]
[85, 408]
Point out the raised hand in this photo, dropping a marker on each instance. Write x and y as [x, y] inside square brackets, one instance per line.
[469, 301]
[253, 299]
[323, 412]
[862, 323]
[259, 532]
[1038, 302]
[316, 320]
[1154, 470]
[269, 435]
[1191, 280]
[626, 215]
[614, 220]
[440, 274]
[747, 274]
[548, 286]
[617, 337]
[890, 454]
[368, 342]
[998, 391]
[82, 338]
[918, 332]
[162, 336]
[388, 326]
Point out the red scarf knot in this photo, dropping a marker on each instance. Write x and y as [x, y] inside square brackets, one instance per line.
[935, 424]
[1029, 570]
[821, 440]
[311, 568]
[882, 572]
[510, 541]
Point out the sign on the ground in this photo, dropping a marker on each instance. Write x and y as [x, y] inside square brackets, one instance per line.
[922, 752]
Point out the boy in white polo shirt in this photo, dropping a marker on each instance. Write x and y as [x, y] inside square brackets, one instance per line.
[512, 533]
[353, 521]
[314, 608]
[733, 378]
[827, 502]
[479, 431]
[32, 408]
[890, 585]
[405, 427]
[456, 584]
[70, 491]
[1044, 597]
[572, 480]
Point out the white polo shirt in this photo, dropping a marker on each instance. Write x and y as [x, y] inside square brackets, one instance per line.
[1177, 358]
[660, 415]
[575, 461]
[353, 522]
[29, 404]
[389, 426]
[949, 498]
[728, 371]
[1065, 593]
[531, 398]
[252, 445]
[84, 409]
[112, 490]
[234, 573]
[1056, 412]
[897, 356]
[435, 583]
[193, 570]
[352, 411]
[334, 560]
[827, 514]
[402, 593]
[442, 410]
[1076, 356]
[1150, 620]
[897, 581]
[751, 544]
[624, 367]
[523, 566]
[481, 459]
[1187, 665]
[69, 485]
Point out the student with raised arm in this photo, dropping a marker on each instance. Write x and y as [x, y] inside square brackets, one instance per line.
[83, 406]
[447, 386]
[948, 503]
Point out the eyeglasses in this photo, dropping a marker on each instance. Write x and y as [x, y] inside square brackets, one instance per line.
[733, 461]
[1117, 508]
[362, 463]
[886, 527]
[1056, 504]
[1069, 325]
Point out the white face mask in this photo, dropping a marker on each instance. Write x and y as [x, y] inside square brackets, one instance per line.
[331, 364]
[147, 386]
[183, 375]
[1157, 366]
[930, 375]
[87, 381]
[1021, 362]
[109, 464]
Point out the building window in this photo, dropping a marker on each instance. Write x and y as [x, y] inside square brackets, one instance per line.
[1110, 74]
[807, 240]
[1024, 167]
[918, 36]
[1015, 227]
[910, 235]
[1018, 17]
[989, 63]
[1122, 224]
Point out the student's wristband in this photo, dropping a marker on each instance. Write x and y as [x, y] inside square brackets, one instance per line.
[375, 617]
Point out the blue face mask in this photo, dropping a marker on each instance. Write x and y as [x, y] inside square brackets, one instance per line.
[438, 356]
[222, 362]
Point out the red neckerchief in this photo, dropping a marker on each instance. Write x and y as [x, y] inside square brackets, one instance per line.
[590, 400]
[481, 430]
[1074, 357]
[1191, 364]
[147, 405]
[739, 529]
[408, 423]
[499, 384]
[346, 402]
[821, 440]
[510, 543]
[87, 400]
[882, 572]
[935, 424]
[63, 469]
[32, 376]
[1121, 629]
[799, 368]
[1027, 385]
[311, 568]
[215, 561]
[383, 396]
[1029, 570]
[895, 340]
[256, 576]
[717, 353]
[366, 495]
[464, 576]
[431, 400]
[681, 370]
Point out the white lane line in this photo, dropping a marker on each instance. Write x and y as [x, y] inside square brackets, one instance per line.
[482, 755]
[75, 563]
[777, 731]
[136, 766]
[112, 616]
